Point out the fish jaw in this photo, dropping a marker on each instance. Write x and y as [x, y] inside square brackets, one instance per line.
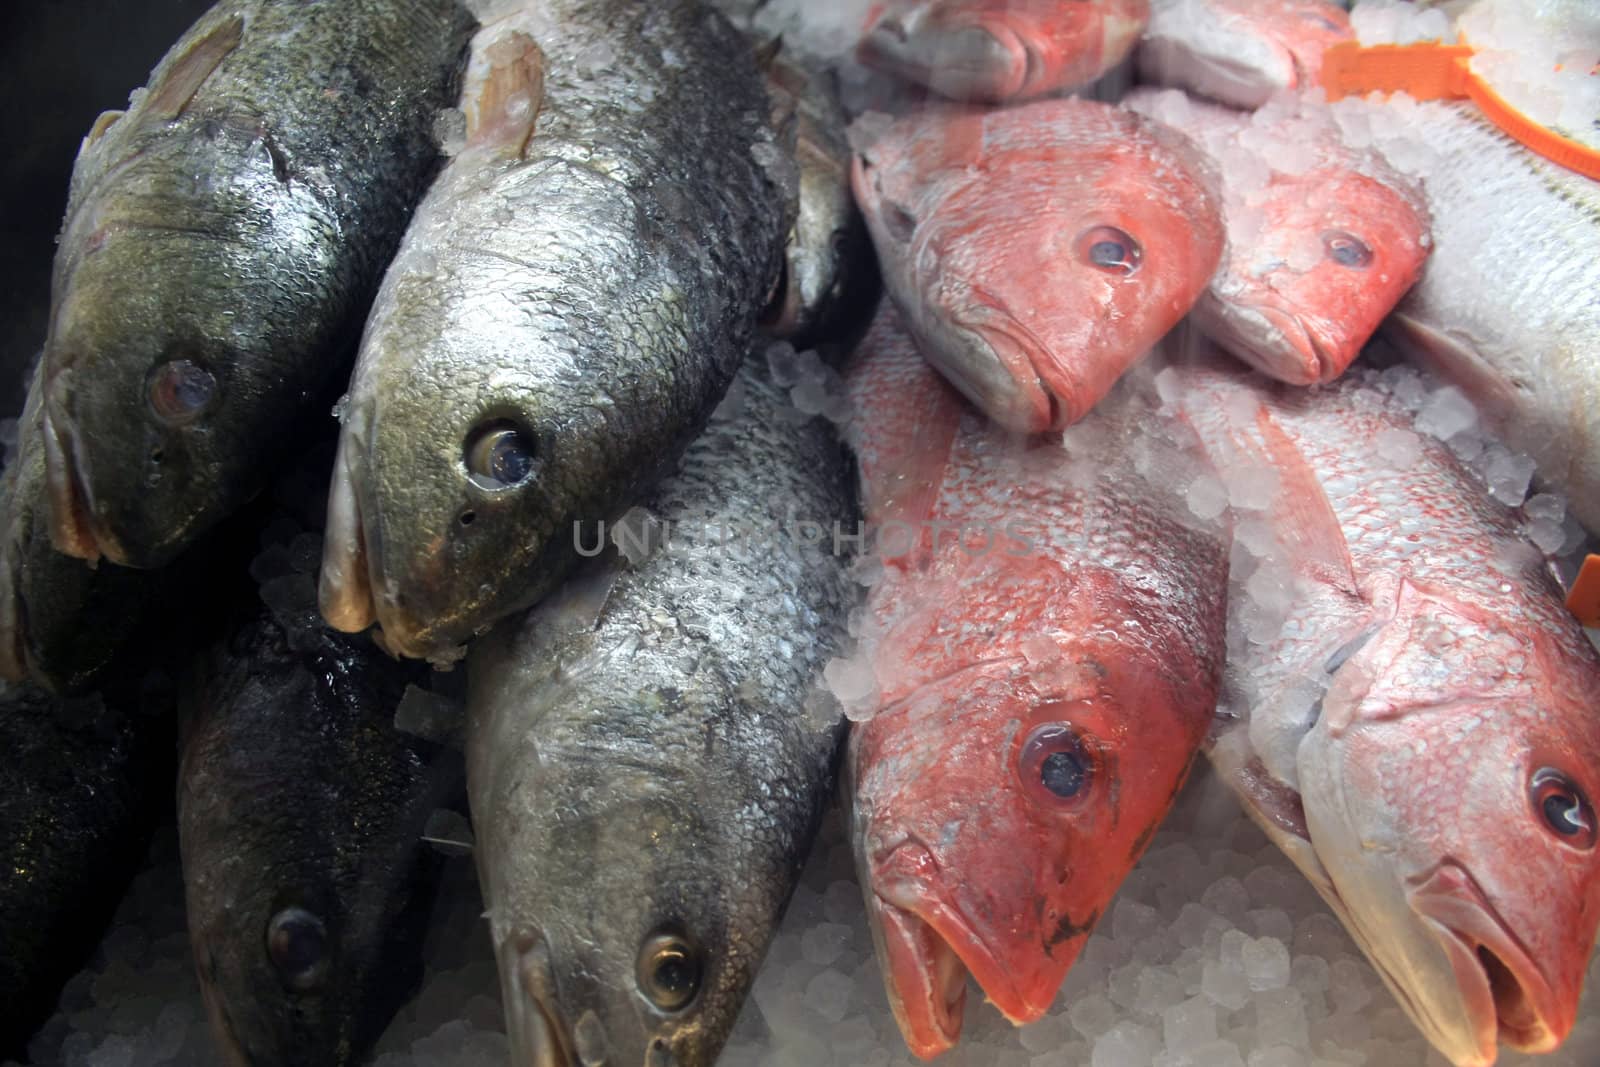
[1270, 338]
[535, 1032]
[344, 587]
[73, 530]
[963, 59]
[1507, 995]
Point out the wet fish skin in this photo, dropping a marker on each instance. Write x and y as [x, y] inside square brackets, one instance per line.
[1320, 249]
[585, 274]
[222, 242]
[301, 809]
[1240, 52]
[82, 786]
[648, 752]
[1090, 629]
[949, 195]
[1392, 736]
[998, 51]
[1506, 308]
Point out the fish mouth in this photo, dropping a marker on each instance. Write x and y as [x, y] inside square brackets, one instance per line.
[1273, 340]
[968, 63]
[928, 949]
[535, 1026]
[73, 528]
[1015, 394]
[1506, 995]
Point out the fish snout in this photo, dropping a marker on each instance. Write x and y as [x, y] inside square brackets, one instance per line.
[534, 1023]
[963, 62]
[1509, 996]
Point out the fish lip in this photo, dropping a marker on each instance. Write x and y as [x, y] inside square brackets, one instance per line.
[74, 529]
[890, 44]
[1450, 900]
[915, 907]
[535, 1027]
[1254, 331]
[1031, 406]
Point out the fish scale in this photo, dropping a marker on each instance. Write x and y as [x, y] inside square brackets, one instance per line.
[1426, 690]
[1104, 621]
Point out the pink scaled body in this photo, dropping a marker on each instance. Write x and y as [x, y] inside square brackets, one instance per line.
[1420, 730]
[1046, 639]
[1037, 251]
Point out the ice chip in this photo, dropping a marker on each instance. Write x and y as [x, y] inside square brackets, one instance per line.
[450, 131]
[1206, 497]
[830, 994]
[1092, 1016]
[824, 943]
[1225, 984]
[1189, 1024]
[1508, 476]
[1126, 1044]
[1399, 448]
[1446, 413]
[1266, 963]
[428, 715]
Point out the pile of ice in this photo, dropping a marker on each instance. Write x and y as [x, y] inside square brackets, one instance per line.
[1399, 22]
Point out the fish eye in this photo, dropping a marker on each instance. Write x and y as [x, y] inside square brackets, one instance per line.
[180, 390]
[1055, 764]
[1321, 22]
[297, 944]
[499, 455]
[669, 971]
[1346, 250]
[1564, 808]
[1110, 249]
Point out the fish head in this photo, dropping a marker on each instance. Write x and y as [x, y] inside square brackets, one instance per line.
[997, 50]
[179, 365]
[1335, 252]
[1241, 52]
[1450, 806]
[303, 866]
[1034, 275]
[998, 809]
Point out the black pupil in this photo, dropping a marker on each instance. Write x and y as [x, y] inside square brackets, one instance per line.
[191, 387]
[1348, 252]
[1062, 773]
[299, 946]
[509, 459]
[1108, 254]
[674, 974]
[1564, 813]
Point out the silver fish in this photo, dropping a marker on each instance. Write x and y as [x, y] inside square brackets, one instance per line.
[568, 307]
[647, 759]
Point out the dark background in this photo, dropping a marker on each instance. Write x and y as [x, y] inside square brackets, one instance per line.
[62, 62]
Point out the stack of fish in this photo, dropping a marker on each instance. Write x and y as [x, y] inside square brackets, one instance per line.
[544, 249]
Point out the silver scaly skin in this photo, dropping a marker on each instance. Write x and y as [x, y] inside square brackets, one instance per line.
[222, 242]
[573, 299]
[648, 752]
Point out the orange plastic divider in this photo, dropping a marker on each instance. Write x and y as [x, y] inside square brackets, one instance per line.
[1584, 599]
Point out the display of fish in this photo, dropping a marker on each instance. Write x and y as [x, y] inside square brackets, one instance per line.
[1240, 52]
[223, 240]
[301, 810]
[1506, 308]
[1323, 240]
[81, 787]
[648, 751]
[1037, 251]
[1411, 713]
[570, 304]
[1002, 50]
[1045, 647]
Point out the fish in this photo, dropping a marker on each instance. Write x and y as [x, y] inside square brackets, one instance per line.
[1125, 230]
[301, 814]
[223, 239]
[649, 751]
[81, 789]
[1505, 308]
[568, 307]
[1410, 712]
[1040, 663]
[1323, 240]
[1001, 51]
[1240, 52]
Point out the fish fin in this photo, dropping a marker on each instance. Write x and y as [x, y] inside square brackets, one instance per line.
[502, 103]
[577, 606]
[106, 120]
[182, 77]
[1302, 514]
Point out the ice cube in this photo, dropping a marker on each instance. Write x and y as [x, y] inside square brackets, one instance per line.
[1266, 963]
[822, 944]
[1225, 984]
[1206, 497]
[1191, 1023]
[1093, 1016]
[1350, 985]
[1130, 920]
[1281, 1018]
[830, 994]
[1445, 413]
[1126, 1044]
[1157, 990]
[1399, 448]
[1508, 476]
[1227, 897]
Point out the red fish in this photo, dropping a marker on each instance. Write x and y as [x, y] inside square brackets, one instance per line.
[1000, 50]
[1046, 640]
[1419, 729]
[1323, 241]
[1037, 251]
[1240, 52]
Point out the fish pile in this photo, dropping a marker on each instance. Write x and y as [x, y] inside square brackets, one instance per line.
[1157, 482]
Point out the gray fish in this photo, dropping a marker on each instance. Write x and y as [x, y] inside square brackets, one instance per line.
[223, 239]
[301, 810]
[571, 302]
[1507, 306]
[81, 786]
[646, 759]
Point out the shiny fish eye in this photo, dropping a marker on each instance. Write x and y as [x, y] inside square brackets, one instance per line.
[669, 971]
[1110, 249]
[1346, 250]
[499, 455]
[1055, 765]
[1564, 808]
[180, 390]
[297, 944]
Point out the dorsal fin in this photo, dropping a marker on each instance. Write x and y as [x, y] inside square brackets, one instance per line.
[106, 120]
[181, 77]
[503, 96]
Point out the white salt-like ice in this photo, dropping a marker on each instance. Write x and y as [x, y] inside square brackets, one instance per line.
[1447, 412]
[1207, 497]
[1266, 963]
